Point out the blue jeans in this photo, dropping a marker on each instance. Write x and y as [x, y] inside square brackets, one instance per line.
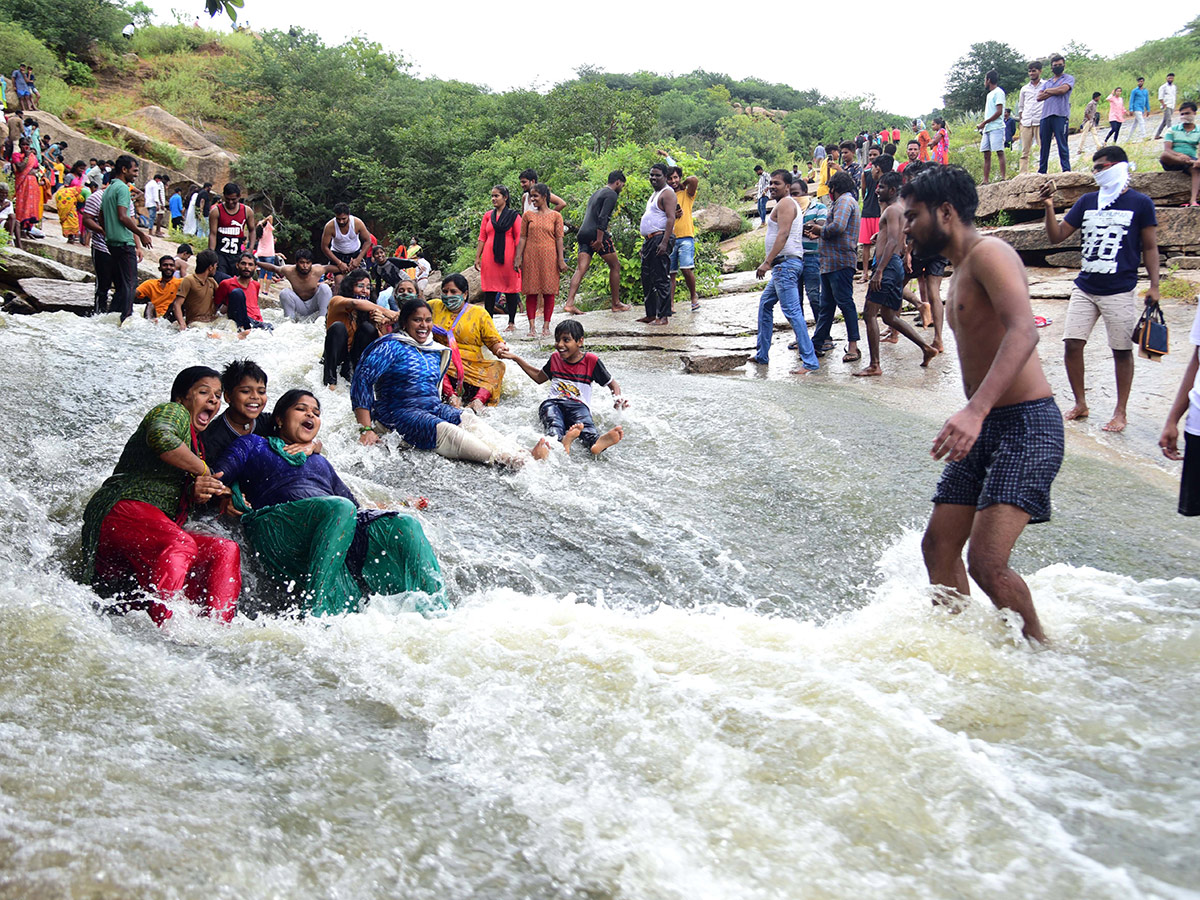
[784, 289]
[812, 283]
[1055, 126]
[837, 292]
[762, 207]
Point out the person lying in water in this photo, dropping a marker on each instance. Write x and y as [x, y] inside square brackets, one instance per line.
[133, 525]
[307, 527]
[397, 384]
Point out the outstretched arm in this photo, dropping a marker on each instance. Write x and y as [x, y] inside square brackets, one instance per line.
[536, 374]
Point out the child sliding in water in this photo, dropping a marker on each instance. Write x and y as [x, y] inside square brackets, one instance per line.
[567, 414]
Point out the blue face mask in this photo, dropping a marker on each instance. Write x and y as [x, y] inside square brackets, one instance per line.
[453, 302]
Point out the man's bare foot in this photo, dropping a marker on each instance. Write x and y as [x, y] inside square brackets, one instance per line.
[606, 440]
[1117, 423]
[926, 315]
[572, 310]
[929, 353]
[645, 320]
[242, 335]
[541, 449]
[937, 345]
[803, 371]
[889, 337]
[332, 387]
[868, 372]
[569, 438]
[621, 307]
[1078, 411]
[660, 321]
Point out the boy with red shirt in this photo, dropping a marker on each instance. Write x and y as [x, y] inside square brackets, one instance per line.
[567, 414]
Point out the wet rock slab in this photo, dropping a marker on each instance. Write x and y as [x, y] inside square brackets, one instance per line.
[704, 362]
[49, 295]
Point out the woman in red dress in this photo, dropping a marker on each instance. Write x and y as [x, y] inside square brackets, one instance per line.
[29, 191]
[499, 233]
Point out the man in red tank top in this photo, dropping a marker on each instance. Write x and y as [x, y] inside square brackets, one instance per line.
[230, 228]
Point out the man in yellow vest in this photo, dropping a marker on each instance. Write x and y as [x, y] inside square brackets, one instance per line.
[683, 255]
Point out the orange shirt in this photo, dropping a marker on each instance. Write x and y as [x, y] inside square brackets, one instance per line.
[161, 295]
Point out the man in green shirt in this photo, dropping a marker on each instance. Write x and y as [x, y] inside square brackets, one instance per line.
[120, 229]
[1180, 144]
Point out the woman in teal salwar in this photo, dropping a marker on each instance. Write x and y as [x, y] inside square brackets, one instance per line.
[306, 525]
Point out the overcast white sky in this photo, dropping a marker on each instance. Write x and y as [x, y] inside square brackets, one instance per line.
[901, 59]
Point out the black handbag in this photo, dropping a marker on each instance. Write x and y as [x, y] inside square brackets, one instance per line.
[1151, 335]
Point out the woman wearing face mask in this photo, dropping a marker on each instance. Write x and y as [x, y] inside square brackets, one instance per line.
[133, 525]
[352, 322]
[397, 384]
[1116, 115]
[472, 329]
[307, 527]
[540, 257]
[499, 234]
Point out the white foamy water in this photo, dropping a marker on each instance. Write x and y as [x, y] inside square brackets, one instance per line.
[704, 666]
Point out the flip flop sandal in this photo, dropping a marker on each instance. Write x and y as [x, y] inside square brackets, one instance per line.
[852, 357]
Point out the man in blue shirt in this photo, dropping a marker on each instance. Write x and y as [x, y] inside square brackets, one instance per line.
[1056, 111]
[1139, 105]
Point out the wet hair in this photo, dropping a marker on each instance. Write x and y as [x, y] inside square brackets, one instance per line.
[784, 175]
[569, 328]
[1034, 64]
[206, 259]
[286, 402]
[662, 167]
[410, 307]
[163, 259]
[184, 250]
[616, 175]
[341, 209]
[885, 163]
[529, 175]
[231, 187]
[124, 161]
[1188, 104]
[944, 184]
[351, 279]
[187, 379]
[846, 145]
[459, 281]
[1112, 153]
[303, 253]
[542, 189]
[993, 76]
[238, 371]
[502, 191]
[841, 183]
[891, 180]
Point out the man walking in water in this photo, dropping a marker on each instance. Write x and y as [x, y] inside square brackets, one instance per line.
[658, 234]
[595, 239]
[1006, 445]
[345, 242]
[230, 227]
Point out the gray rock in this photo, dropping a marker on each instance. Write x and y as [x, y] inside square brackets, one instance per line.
[49, 295]
[703, 362]
[1020, 198]
[1071, 259]
[1184, 262]
[18, 306]
[18, 264]
[717, 220]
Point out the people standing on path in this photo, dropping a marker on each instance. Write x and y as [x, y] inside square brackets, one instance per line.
[528, 179]
[923, 140]
[176, 207]
[784, 258]
[1004, 448]
[1118, 232]
[155, 198]
[1180, 146]
[1139, 107]
[1091, 116]
[762, 190]
[89, 218]
[595, 239]
[683, 254]
[868, 221]
[230, 228]
[1187, 400]
[1116, 115]
[839, 245]
[539, 257]
[345, 242]
[1166, 101]
[815, 214]
[120, 232]
[495, 250]
[1056, 113]
[657, 228]
[992, 126]
[1029, 113]
[307, 293]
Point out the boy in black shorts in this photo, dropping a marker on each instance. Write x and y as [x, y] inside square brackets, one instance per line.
[567, 414]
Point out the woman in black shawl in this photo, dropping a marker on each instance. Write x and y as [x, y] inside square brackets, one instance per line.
[499, 233]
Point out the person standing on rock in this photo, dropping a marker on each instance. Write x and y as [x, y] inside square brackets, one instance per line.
[204, 204]
[839, 257]
[120, 232]
[1180, 147]
[1056, 113]
[658, 234]
[683, 254]
[307, 294]
[1119, 231]
[1139, 106]
[762, 190]
[155, 200]
[89, 218]
[595, 238]
[784, 258]
[1004, 447]
[1029, 113]
[495, 250]
[1166, 100]
[345, 242]
[992, 127]
[230, 227]
[815, 214]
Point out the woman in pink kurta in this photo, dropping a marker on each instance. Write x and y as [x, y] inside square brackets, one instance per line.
[499, 233]
[540, 257]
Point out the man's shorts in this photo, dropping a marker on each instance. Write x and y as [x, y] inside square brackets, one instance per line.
[347, 258]
[1172, 166]
[934, 266]
[890, 293]
[606, 245]
[992, 140]
[867, 229]
[1014, 461]
[1119, 311]
[683, 254]
[1189, 484]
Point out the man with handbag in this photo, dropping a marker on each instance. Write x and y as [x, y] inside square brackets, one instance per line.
[1119, 230]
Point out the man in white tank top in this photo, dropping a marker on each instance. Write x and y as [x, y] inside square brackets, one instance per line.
[785, 260]
[658, 234]
[345, 242]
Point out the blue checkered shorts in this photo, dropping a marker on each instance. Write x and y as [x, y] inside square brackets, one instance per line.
[1014, 461]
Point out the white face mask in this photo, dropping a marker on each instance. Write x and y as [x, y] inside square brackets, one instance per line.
[1188, 116]
[1112, 181]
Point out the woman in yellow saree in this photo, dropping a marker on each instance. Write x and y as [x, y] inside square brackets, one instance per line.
[472, 327]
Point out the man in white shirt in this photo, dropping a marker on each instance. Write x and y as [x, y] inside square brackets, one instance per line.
[1166, 99]
[992, 127]
[762, 190]
[1029, 112]
[156, 200]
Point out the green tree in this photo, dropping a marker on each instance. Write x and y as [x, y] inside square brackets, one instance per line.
[69, 26]
[597, 114]
[964, 82]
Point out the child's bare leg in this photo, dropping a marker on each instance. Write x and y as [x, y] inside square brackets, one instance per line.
[569, 437]
[606, 440]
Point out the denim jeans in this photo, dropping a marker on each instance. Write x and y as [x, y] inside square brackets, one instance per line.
[837, 292]
[762, 208]
[784, 289]
[812, 283]
[1054, 127]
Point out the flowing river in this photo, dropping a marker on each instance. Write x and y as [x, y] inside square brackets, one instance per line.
[704, 665]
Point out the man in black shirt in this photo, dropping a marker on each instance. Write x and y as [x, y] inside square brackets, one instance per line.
[594, 238]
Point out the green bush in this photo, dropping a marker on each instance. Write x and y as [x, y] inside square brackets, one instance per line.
[166, 154]
[17, 45]
[158, 40]
[77, 73]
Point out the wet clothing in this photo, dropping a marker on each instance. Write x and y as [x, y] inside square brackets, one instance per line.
[557, 416]
[343, 352]
[231, 229]
[890, 293]
[198, 295]
[1014, 461]
[241, 303]
[399, 383]
[473, 330]
[656, 276]
[600, 207]
[219, 434]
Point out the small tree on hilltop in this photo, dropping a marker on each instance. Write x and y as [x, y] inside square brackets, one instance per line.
[964, 82]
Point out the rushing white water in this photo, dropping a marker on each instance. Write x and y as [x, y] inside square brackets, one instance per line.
[702, 666]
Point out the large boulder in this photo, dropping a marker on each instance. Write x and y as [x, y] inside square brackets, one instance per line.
[718, 220]
[49, 295]
[1178, 234]
[1020, 197]
[433, 287]
[203, 159]
[17, 264]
